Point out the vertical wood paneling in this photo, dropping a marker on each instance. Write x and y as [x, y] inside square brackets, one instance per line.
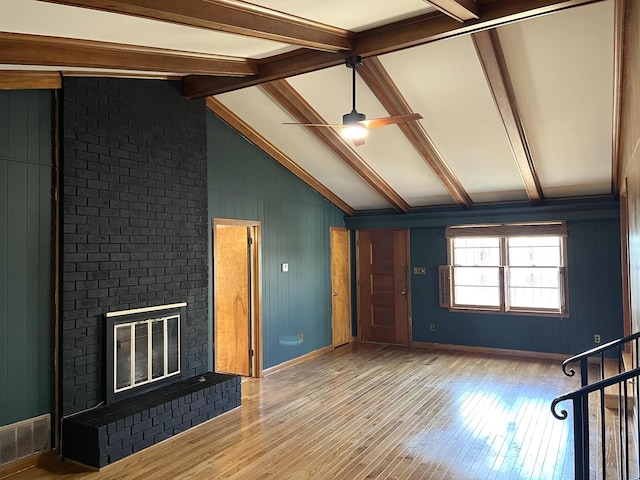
[4, 258]
[45, 281]
[20, 108]
[594, 297]
[26, 266]
[4, 124]
[31, 266]
[631, 89]
[244, 183]
[17, 288]
[630, 152]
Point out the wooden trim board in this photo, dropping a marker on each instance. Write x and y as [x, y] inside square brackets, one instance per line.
[295, 361]
[490, 351]
[42, 460]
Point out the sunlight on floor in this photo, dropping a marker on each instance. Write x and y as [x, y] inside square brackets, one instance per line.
[513, 435]
[501, 434]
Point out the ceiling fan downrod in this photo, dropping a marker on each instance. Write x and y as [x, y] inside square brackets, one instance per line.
[354, 116]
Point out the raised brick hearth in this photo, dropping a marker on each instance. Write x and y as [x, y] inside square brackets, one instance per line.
[109, 433]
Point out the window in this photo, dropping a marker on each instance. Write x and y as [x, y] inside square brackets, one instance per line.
[515, 268]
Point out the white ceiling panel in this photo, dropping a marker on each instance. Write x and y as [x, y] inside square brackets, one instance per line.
[355, 15]
[561, 68]
[444, 81]
[258, 110]
[40, 18]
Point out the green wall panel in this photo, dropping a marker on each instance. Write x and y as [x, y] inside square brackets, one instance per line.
[245, 183]
[595, 290]
[26, 261]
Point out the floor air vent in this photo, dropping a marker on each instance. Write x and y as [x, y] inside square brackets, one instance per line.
[23, 439]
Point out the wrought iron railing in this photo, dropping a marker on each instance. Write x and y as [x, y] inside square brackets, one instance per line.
[624, 426]
[612, 446]
[614, 350]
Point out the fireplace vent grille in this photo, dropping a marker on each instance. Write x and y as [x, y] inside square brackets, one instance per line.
[23, 439]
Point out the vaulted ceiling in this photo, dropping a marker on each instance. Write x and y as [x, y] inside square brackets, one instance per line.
[519, 100]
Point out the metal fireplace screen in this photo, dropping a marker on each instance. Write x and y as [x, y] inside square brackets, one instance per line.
[143, 349]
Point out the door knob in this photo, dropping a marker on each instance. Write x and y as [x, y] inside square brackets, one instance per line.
[404, 291]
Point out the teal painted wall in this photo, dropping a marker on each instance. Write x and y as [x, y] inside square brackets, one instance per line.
[26, 252]
[595, 289]
[245, 183]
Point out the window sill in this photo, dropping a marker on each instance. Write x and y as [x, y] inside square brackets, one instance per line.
[522, 313]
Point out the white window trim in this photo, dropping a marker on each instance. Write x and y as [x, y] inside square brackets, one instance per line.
[503, 231]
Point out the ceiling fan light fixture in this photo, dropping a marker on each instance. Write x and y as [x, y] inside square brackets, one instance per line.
[355, 125]
[353, 132]
[352, 128]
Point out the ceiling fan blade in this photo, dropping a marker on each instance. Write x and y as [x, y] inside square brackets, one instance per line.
[331, 125]
[358, 141]
[381, 122]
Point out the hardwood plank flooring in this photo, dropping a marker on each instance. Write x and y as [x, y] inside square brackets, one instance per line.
[372, 412]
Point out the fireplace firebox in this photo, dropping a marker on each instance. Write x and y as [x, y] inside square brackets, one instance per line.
[145, 349]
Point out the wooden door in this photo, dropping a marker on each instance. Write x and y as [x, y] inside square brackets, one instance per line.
[340, 286]
[383, 309]
[232, 281]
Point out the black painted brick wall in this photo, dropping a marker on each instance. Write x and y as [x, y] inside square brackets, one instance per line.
[109, 433]
[134, 218]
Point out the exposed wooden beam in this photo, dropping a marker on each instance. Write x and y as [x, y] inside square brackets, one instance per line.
[273, 68]
[460, 10]
[113, 74]
[493, 63]
[230, 16]
[292, 101]
[620, 8]
[13, 80]
[22, 49]
[386, 39]
[220, 110]
[431, 27]
[380, 83]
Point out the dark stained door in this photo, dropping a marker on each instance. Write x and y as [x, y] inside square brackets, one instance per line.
[383, 309]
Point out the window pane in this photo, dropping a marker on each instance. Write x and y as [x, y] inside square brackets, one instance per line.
[172, 345]
[157, 346]
[534, 288]
[123, 357]
[141, 352]
[543, 251]
[476, 251]
[476, 286]
[532, 266]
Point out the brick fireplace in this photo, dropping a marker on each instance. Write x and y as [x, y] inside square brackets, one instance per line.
[144, 349]
[134, 170]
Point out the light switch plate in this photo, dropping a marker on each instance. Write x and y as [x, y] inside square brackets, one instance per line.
[285, 267]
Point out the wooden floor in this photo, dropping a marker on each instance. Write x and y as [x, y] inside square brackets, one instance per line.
[372, 412]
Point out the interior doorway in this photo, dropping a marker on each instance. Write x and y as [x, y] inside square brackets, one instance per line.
[340, 286]
[237, 319]
[383, 287]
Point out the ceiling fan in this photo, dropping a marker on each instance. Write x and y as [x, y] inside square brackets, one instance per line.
[355, 124]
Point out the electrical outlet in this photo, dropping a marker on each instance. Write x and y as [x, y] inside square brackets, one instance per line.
[300, 337]
[596, 338]
[432, 327]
